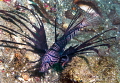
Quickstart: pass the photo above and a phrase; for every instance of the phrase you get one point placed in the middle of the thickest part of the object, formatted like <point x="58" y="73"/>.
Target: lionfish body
<point x="55" y="53"/>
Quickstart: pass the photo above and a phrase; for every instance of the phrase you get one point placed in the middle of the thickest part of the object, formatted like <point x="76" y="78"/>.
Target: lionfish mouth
<point x="44" y="67"/>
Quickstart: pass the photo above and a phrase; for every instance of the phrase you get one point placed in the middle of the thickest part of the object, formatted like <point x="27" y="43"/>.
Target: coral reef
<point x="105" y="69"/>
<point x="99" y="70"/>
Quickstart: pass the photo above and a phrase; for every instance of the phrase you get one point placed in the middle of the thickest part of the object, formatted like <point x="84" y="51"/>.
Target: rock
<point x="25" y="76"/>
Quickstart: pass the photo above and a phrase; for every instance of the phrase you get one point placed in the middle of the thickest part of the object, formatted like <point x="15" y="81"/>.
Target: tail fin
<point x="92" y="20"/>
<point x="79" y="21"/>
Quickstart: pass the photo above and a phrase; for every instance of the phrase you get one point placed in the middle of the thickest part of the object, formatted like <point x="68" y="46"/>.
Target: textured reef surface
<point x="15" y="66"/>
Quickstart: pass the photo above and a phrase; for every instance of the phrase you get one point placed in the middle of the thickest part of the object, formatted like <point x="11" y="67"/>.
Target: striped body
<point x="57" y="53"/>
<point x="51" y="57"/>
<point x="54" y="54"/>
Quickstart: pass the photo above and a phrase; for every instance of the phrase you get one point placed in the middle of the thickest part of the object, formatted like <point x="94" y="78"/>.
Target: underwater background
<point x="84" y="68"/>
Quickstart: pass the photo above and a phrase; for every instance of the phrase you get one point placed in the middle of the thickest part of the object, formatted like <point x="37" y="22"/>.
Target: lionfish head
<point x="44" y="67"/>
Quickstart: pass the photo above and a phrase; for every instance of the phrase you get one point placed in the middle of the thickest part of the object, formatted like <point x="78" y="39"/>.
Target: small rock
<point x="65" y="25"/>
<point x="68" y="14"/>
<point x="31" y="57"/>
<point x="25" y="76"/>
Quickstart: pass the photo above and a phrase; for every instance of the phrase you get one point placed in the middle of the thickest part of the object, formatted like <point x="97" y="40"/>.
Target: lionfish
<point x="57" y="52"/>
